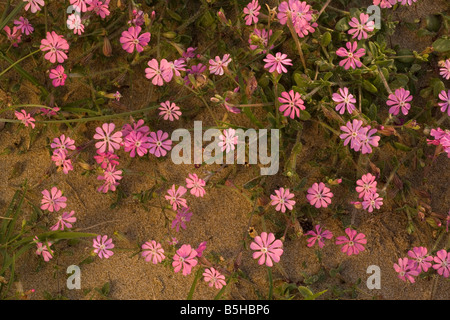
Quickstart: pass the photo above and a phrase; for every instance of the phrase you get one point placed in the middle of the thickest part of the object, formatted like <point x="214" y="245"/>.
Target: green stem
<point x="269" y="274"/>
<point x="13" y="13"/>
<point x="20" y="60"/>
<point x="198" y="274"/>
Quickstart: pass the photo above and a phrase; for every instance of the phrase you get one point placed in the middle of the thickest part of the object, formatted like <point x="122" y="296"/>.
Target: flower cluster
<point x="353" y="243"/>
<point x="441" y="140"/>
<point x="367" y="189"/>
<point x="300" y="14"/>
<point x="360" y="138"/>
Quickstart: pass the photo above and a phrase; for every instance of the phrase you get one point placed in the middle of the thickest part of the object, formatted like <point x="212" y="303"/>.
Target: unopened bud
<point x="107" y="48"/>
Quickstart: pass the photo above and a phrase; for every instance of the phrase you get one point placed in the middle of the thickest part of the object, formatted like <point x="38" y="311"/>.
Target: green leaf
<point x="441" y="45"/>
<point x="274" y="37"/>
<point x="401" y="146"/>
<point x="342" y="25"/>
<point x="369" y="87"/>
<point x="304" y="115"/>
<point x="326" y="39"/>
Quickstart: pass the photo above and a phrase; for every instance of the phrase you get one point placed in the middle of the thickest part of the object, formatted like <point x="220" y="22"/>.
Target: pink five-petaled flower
<point x="352" y="57"/>
<point x="398" y="101"/>
<point x="64" y="221"/>
<point x="282" y="200"/>
<point x="367" y="140"/>
<point x="277" y="63"/>
<point x="201" y="248"/>
<point x="102" y="246"/>
<point x="175" y="197"/>
<point x="177" y="66"/>
<point x="34" y="5"/>
<point x="110" y="176"/>
<point x="25" y="117"/>
<point x="385" y="3"/>
<point x="106" y="158"/>
<point x="60" y="159"/>
<point x="159" y="72"/>
<point x="444" y="71"/>
<point x="170" y="111"/>
<point x="63" y="144"/>
<point x="251" y="12"/>
<point x="58" y="76"/>
<point x="445" y="97"/>
<point x="442" y="261"/>
<point x="259" y="39"/>
<point x="366" y="185"/>
<point x="159" y="143"/>
<point x="319" y="195"/>
<point x="291" y="104"/>
<point x="345" y="100"/>
<point x="131" y="39"/>
<point x="152" y="251"/>
<point x="267" y="249"/>
<point x="360" y="29"/>
<point x="74" y="23"/>
<point x="406" y="269"/>
<point x="372" y="201"/>
<point x="354" y="243"/>
<point x="228" y="140"/>
<point x="44" y="250"/>
<point x="24" y="25"/>
<point x="109" y="142"/>
<point x="216" y="66"/>
<point x="196" y="185"/>
<point x="53" y="200"/>
<point x="319" y="236"/>
<point x="99" y="7"/>
<point x="13" y="35"/>
<point x="351" y="135"/>
<point x="80" y="5"/>
<point x="136" y="143"/>
<point x="185" y="259"/>
<point x="420" y="256"/>
<point x="56" y="46"/>
<point x="134" y="126"/>
<point x="183" y="215"/>
<point x="214" y="277"/>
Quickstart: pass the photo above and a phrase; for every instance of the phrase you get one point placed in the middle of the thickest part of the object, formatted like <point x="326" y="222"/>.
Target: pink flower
<point x="99" y="7"/>
<point x="138" y="18"/>
<point x="366" y="139"/>
<point x="319" y="195"/>
<point x="25" y="117"/>
<point x="117" y="96"/>
<point x="53" y="200"/>
<point x="372" y="201"/>
<point x="24" y="25"/>
<point x="266" y="249"/>
<point x="196" y="185"/>
<point x="160" y="143"/>
<point x="228" y="140"/>
<point x="106" y="158"/>
<point x="216" y="66"/>
<point x="353" y="244"/>
<point x="49" y="112"/>
<point x="189" y="53"/>
<point x="445" y="96"/>
<point x="14" y="36"/>
<point x="406" y="2"/>
<point x="351" y="134"/>
<point x="175" y="197"/>
<point x="385" y="3"/>
<point x="159" y="73"/>
<point x="56" y="46"/>
<point x="345" y="100"/>
<point x="251" y="12"/>
<point x="170" y="111"/>
<point x="62" y="143"/>
<point x="60" y="159"/>
<point x="360" y="29"/>
<point x="184" y="259"/>
<point x="300" y="14"/>
<point x="64" y="221"/>
<point x="292" y="104"/>
<point x="111" y="174"/>
<point x="58" y="76"/>
<point x="366" y="186"/>
<point x="260" y="39"/>
<point x="74" y="23"/>
<point x="102" y="246"/>
<point x="352" y="57"/>
<point x="131" y="39"/>
<point x="398" y="101"/>
<point x="34" y="5"/>
<point x="442" y="261"/>
<point x="136" y="142"/>
<point x="318" y="236"/>
<point x="80" y="4"/>
<point x="183" y="215"/>
<point x="151" y="250"/>
<point x="134" y="126"/>
<point x="420" y="256"/>
<point x="201" y="248"/>
<point x="197" y="71"/>
<point x="282" y="200"/>
<point x="444" y="71"/>
<point x="214" y="277"/>
<point x="109" y="141"/>
<point x="177" y="66"/>
<point x="44" y="250"/>
<point x="277" y="63"/>
<point x="406" y="269"/>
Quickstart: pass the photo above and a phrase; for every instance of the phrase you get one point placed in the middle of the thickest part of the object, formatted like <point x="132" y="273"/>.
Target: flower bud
<point x="107" y="48"/>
